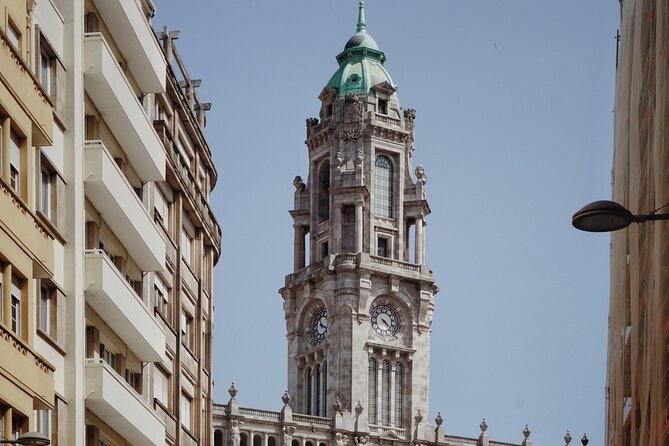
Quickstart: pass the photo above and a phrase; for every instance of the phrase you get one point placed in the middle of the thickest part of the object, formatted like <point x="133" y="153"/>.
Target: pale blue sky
<point x="514" y="106"/>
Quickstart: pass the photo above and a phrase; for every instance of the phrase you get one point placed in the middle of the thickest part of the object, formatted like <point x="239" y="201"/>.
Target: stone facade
<point x="637" y="403"/>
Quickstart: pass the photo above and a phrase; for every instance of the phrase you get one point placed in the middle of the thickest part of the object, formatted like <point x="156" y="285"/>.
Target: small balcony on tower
<point x="110" y="91"/>
<point x="113" y="196"/>
<point x="109" y="397"/>
<point x="110" y="295"/>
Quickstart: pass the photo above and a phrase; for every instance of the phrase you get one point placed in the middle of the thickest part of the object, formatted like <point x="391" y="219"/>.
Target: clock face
<point x="384" y="320"/>
<point x="319" y="327"/>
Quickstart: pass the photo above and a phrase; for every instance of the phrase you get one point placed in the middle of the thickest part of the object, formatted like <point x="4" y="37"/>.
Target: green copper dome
<point x="361" y="62"/>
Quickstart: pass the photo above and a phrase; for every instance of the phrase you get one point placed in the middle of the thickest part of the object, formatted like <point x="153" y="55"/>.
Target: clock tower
<point x="359" y="303"/>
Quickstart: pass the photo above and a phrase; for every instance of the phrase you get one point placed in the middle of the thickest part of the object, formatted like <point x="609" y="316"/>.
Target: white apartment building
<point x="118" y="315"/>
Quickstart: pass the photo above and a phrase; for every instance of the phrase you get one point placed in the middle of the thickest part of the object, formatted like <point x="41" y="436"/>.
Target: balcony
<point x="107" y="86"/>
<point x="26" y="97"/>
<point x="21" y="229"/>
<point x="113" y="400"/>
<point x="26" y="369"/>
<point x="134" y="37"/>
<point x="113" y="298"/>
<point x="112" y="195"/>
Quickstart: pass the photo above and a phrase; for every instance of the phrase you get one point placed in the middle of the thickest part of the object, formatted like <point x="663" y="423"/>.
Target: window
<point x="383" y="187"/>
<point x="14" y="36"/>
<point x="371" y="391"/>
<point x="43" y="422"/>
<point x="45" y="309"/>
<point x="325" y="249"/>
<point x="161" y="386"/>
<point x="186" y="411"/>
<point x="318" y="390"/>
<point x="187" y="238"/>
<point x="309" y="390"/>
<point x="160" y="299"/>
<point x="108" y="356"/>
<point x="134" y="379"/>
<point x="382" y="247"/>
<point x="16" y="305"/>
<point x="15" y="161"/>
<point x="324" y="192"/>
<point x="18" y="423"/>
<point x="348" y="228"/>
<point x="324" y="389"/>
<point x="46" y="69"/>
<point x="45" y="193"/>
<point x="383" y="106"/>
<point x="187" y="330"/>
<point x="399" y="384"/>
<point x="385" y="393"/>
<point x="160" y="207"/>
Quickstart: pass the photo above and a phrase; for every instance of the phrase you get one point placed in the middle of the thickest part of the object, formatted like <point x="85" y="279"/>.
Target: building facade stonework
<point x="637" y="400"/>
<point x="359" y="303"/>
<point x="107" y="238"/>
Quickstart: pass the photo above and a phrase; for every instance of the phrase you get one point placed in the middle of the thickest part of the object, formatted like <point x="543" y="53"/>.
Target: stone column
<point x="335" y="237"/>
<point x="298" y="248"/>
<point x="358" y="226"/>
<point x="418" y="255"/>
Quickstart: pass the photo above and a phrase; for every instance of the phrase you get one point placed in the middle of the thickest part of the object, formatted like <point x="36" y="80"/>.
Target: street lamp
<point x="606" y="216"/>
<point x="30" y="439"/>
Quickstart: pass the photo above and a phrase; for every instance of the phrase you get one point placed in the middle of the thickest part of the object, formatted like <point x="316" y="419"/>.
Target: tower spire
<point x="362" y="26"/>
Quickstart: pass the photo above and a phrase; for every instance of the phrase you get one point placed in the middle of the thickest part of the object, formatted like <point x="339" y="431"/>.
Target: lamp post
<point x="607" y="216"/>
<point x="30" y="439"/>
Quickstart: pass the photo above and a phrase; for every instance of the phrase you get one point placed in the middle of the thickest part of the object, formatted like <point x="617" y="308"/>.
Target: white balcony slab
<point x="120" y="407"/>
<point x="109" y="90"/>
<point x="113" y="299"/>
<point x="112" y="195"/>
<point x="135" y="39"/>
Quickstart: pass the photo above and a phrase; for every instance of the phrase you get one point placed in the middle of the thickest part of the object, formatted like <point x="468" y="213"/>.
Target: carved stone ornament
<point x="288" y="432"/>
<point x="359" y="157"/>
<point x="312" y="122"/>
<point x="340" y="439"/>
<point x="232" y="390"/>
<point x="337" y="405"/>
<point x="351" y="128"/>
<point x="361" y="439"/>
<point x="299" y="186"/>
<point x="439" y="419"/>
<point x="234" y="438"/>
<point x="420" y="175"/>
<point x="358" y="409"/>
<point x="483" y="426"/>
<point x="418" y="417"/>
<point x="526" y="432"/>
<point x="286" y="398"/>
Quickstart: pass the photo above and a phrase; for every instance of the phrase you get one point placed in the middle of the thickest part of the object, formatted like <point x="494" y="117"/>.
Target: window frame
<point x="383" y="186"/>
<point x="16" y="304"/>
<point x="15" y="142"/>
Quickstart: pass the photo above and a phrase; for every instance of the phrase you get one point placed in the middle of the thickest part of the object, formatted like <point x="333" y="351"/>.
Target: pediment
<point x="390" y="435"/>
<point x="384" y="87"/>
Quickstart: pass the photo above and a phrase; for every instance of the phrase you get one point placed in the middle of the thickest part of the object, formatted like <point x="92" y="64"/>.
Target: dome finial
<point x="362" y="26"/>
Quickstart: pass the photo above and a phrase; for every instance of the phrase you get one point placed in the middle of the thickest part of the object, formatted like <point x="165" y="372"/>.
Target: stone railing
<point x="396" y="264"/>
<point x="310" y="419"/>
<point x="387" y="120"/>
<point x="259" y="413"/>
<point x="382" y="430"/>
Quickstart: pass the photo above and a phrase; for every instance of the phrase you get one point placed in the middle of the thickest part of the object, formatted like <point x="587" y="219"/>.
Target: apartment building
<point x="107" y="239"/>
<point x="638" y="347"/>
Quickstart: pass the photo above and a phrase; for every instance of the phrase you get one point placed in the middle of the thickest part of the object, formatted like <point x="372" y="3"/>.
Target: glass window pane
<point x="371" y="391"/>
<point x="383" y="187"/>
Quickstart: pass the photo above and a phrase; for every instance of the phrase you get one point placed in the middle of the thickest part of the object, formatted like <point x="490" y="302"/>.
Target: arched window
<point x="257" y="440"/>
<point x="324" y="192"/>
<point x="218" y="437"/>
<point x="324" y="389"/>
<point x="271" y="441"/>
<point x="295" y="443"/>
<point x="244" y="440"/>
<point x="383" y="187"/>
<point x="371" y="391"/>
<point x="385" y="393"/>
<point x="399" y="381"/>
<point x="318" y="389"/>
<point x="309" y="390"/>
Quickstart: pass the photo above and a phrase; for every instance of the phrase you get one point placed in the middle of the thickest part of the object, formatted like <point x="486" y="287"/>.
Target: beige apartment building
<point x="638" y="356"/>
<point x="107" y="238"/>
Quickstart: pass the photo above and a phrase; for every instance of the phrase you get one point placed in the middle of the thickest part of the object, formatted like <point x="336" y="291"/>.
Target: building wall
<point x="638" y="356"/>
<point x="106" y="233"/>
